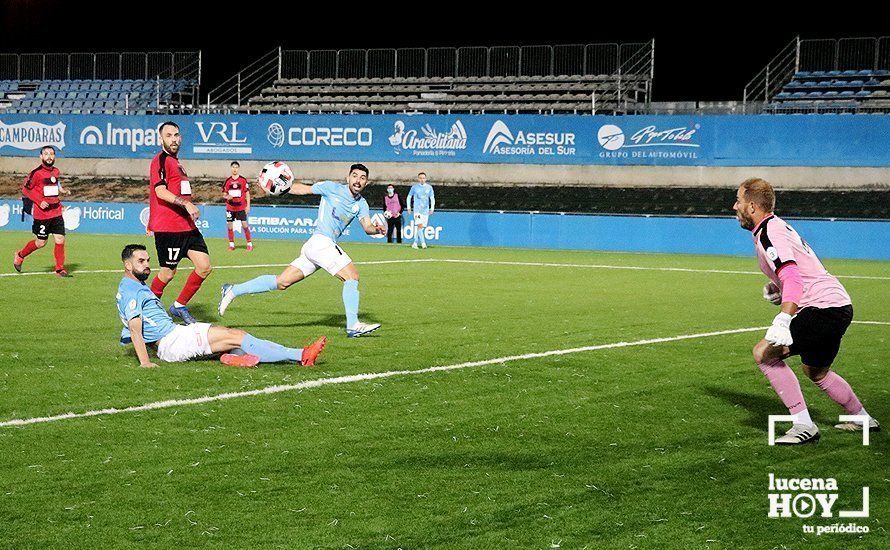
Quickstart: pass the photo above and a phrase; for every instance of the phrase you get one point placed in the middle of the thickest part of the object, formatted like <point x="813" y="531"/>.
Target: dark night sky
<point x="697" y="57"/>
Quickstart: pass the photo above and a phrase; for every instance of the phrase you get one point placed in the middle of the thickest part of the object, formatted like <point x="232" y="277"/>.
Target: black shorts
<point x="817" y="334"/>
<point x="42" y="229"/>
<point x="237" y="215"/>
<point x="173" y="247"/>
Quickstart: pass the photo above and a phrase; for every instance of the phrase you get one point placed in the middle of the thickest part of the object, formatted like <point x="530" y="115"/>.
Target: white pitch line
<point x="489" y="262"/>
<point x="637" y="268"/>
<point x="359" y="378"/>
<point x="881" y="323"/>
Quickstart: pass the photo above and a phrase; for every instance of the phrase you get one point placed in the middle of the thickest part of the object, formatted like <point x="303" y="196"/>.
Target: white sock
<point x="177" y="304"/>
<point x="803" y="417"/>
<point x="863" y="413"/>
<point x="231" y="244"/>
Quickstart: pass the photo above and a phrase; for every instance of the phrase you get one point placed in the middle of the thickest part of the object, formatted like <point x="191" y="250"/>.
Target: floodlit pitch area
<point x="601" y="445"/>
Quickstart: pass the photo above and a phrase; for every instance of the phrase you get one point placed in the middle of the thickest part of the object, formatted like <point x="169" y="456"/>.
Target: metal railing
<point x="468" y="61"/>
<point x="248" y="81"/>
<point x="814" y="55"/>
<point x="632" y="61"/>
<point x="101" y="66"/>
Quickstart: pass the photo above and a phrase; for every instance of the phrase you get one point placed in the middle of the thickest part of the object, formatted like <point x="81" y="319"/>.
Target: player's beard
<point x="745" y="221"/>
<point x="49" y="163"/>
<point x="143" y="275"/>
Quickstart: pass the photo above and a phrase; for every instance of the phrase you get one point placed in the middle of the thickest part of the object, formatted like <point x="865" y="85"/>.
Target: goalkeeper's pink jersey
<point x="777" y="244"/>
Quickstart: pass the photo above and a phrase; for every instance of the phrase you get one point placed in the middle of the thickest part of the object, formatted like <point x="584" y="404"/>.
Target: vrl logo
<point x="226" y="133"/>
<point x="221" y="138"/>
<point x="802" y="500"/>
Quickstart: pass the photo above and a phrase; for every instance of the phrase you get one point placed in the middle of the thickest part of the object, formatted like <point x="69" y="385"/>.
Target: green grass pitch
<point x="650" y="446"/>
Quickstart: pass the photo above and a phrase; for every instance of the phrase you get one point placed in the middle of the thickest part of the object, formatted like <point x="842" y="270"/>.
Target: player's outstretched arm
<point x="300" y="189"/>
<point x="135" y="326"/>
<point x="371" y="228"/>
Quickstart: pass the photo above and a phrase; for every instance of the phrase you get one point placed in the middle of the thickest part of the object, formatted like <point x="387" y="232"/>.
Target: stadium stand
<point x="849" y="75"/>
<point x="582" y="79"/>
<point x="124" y="83"/>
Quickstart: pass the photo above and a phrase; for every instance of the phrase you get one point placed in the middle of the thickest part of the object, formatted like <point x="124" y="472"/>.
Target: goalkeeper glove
<point x="779" y="334"/>
<point x="772" y="294"/>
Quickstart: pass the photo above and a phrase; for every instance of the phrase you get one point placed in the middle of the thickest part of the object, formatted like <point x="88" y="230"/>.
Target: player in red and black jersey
<point x="42" y="188"/>
<point x="236" y="191"/>
<point x="172" y="218"/>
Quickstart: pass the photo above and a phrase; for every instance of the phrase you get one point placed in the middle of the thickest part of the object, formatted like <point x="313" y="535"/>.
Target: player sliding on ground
<point x="340" y="204"/>
<point x="816" y="311"/>
<point x="146" y="323"/>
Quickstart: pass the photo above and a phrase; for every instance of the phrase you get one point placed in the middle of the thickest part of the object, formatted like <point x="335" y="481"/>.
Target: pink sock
<point x="840" y="391"/>
<point x="783" y="380"/>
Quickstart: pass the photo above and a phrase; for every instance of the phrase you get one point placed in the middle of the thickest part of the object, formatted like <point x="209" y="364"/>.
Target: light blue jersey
<point x="424" y="199"/>
<point x="134" y="299"/>
<point x="337" y="209"/>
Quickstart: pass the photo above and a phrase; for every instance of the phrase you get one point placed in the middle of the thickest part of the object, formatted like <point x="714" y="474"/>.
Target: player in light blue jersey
<point x="147" y="323"/>
<point x="340" y="204"/>
<point x="423" y="200"/>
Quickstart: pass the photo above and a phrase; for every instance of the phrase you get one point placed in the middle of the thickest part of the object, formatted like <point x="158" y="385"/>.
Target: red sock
<point x="157" y="286"/>
<point x="59" y="253"/>
<point x="191" y="286"/>
<point x="246" y="233"/>
<point x="28" y="248"/>
<point x="231" y="235"/>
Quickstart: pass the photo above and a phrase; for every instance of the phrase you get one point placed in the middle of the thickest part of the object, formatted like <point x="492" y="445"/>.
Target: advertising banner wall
<point x="831" y="239"/>
<point x="731" y="140"/>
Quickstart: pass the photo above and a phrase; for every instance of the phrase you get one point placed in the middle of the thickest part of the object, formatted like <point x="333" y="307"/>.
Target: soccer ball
<point x="276" y="178"/>
<point x="387" y="214"/>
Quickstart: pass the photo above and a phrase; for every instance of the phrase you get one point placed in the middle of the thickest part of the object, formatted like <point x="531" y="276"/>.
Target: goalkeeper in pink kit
<point x="816" y="311"/>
